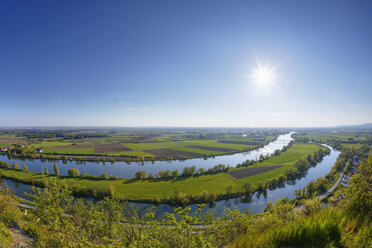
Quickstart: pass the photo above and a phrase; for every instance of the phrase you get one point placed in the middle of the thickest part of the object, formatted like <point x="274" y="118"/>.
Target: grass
<point x="138" y="149"/>
<point x="149" y="189"/>
<point x="5" y="236"/>
<point x="287" y="159"/>
<point x="133" y="153"/>
<point x="351" y="145"/>
<point x="318" y="230"/>
<point x="48" y="148"/>
<point x="348" y="139"/>
<point x="180" y="144"/>
<point x="183" y="146"/>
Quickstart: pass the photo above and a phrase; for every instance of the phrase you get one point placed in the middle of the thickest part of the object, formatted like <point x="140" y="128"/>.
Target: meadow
<point x="163" y="188"/>
<point x="139" y="143"/>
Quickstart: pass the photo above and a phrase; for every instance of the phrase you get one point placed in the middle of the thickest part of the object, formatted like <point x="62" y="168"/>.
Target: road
<point x="334" y="186"/>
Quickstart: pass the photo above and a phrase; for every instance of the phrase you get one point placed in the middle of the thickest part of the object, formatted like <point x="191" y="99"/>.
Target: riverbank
<point x="203" y="187"/>
<point x="129" y="169"/>
<point x="173" y="152"/>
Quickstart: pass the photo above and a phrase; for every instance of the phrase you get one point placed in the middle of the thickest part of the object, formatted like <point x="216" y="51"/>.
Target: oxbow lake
<point x="254" y="204"/>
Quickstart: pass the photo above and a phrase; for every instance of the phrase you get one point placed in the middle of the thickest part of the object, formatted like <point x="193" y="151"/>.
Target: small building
<point x="345" y="181"/>
<point x="39" y="150"/>
<point x="3" y="149"/>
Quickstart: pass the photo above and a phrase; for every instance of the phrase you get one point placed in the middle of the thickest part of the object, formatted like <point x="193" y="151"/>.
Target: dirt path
<point x="22" y="239"/>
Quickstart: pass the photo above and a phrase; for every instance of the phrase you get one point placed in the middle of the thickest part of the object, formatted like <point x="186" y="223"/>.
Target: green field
<point x="48" y="147"/>
<point x="139" y="149"/>
<point x="217" y="183"/>
<point x="137" y="143"/>
<point x="347" y="139"/>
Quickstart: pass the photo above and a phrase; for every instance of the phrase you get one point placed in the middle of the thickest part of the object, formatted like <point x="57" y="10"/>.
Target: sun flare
<point x="263" y="76"/>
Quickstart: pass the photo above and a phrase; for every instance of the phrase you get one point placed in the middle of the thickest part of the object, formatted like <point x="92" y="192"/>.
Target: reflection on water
<point x="255" y="203"/>
<point x="129" y="169"/>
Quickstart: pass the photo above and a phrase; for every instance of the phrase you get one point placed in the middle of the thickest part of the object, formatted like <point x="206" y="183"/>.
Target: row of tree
<point x="187" y="172"/>
<point x="263" y="157"/>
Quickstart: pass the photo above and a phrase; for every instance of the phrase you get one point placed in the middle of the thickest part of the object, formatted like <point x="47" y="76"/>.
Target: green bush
<point x="73" y="172"/>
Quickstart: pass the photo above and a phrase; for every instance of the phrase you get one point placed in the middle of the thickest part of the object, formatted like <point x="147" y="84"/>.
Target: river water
<point x="255" y="204"/>
<point x="128" y="170"/>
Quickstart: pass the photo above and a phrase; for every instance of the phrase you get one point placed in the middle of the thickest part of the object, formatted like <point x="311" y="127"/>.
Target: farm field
<point x="140" y="143"/>
<point x="217" y="183"/>
<point x="248" y="172"/>
<point x="345" y="138"/>
<point x="193" y="148"/>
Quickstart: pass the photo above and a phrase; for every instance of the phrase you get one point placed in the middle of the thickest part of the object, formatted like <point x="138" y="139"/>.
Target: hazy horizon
<point x="241" y="127"/>
<point x="185" y="64"/>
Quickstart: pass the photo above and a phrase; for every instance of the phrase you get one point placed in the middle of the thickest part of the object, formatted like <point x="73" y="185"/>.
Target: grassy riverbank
<point x="220" y="183"/>
<point x="131" y="144"/>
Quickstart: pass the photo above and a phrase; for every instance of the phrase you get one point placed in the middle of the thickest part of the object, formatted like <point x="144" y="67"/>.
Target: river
<point x="255" y="204"/>
<point x="129" y="169"/>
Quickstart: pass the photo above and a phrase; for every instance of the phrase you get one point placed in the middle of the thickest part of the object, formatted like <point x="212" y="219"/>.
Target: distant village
<point x="16" y="147"/>
<point x="354" y="168"/>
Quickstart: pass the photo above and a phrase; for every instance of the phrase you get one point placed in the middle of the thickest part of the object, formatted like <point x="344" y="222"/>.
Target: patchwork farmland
<point x="142" y="144"/>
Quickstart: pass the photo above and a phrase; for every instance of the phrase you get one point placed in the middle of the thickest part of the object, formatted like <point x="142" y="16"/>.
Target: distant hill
<point x="360" y="126"/>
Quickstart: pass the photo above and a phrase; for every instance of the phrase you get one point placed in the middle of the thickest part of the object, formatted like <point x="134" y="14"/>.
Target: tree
<point x="167" y="174"/>
<point x="140" y="175"/>
<point x="56" y="171"/>
<point x="73" y="172"/>
<point x="247" y="188"/>
<point x="260" y="187"/>
<point x="261" y="158"/>
<point x="25" y="168"/>
<point x="104" y="176"/>
<point x="193" y="170"/>
<point x="161" y="174"/>
<point x="175" y="173"/>
<point x="46" y="170"/>
<point x="273" y="183"/>
<point x="186" y="171"/>
<point x="302" y="165"/>
<point x="358" y="200"/>
<point x="281" y="179"/>
<point x="276" y="152"/>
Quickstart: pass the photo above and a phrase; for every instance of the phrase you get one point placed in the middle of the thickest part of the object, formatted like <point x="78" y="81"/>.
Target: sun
<point x="263" y="76"/>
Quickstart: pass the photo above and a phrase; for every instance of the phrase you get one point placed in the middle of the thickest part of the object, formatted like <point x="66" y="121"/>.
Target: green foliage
<point x="58" y="220"/>
<point x="4" y="164"/>
<point x="104" y="176"/>
<point x="140" y="175"/>
<point x="358" y="204"/>
<point x="63" y="222"/>
<point x="56" y="170"/>
<point x="73" y="172"/>
<point x="175" y="173"/>
<point x="5" y="236"/>
<point x="114" y="178"/>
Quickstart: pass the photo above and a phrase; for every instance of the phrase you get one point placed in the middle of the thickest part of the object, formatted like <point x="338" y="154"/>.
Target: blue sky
<point x="184" y="63"/>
